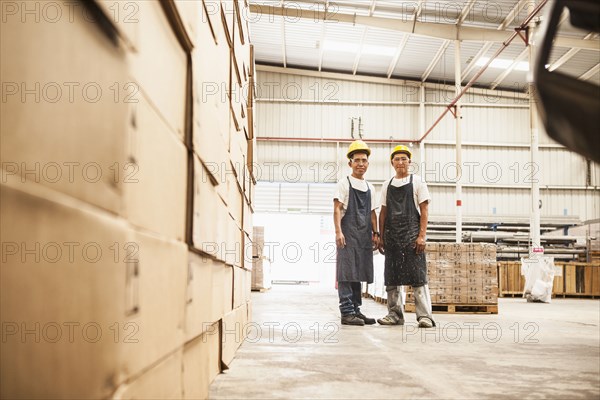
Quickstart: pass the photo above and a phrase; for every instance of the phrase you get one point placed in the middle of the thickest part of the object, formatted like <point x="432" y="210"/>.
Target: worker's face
<point x="401" y="162"/>
<point x="359" y="164"/>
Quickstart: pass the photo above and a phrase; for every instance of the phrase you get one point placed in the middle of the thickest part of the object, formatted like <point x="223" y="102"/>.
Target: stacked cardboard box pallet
<point x="461" y="274"/>
<point x="126" y="199"/>
<point x="261" y="264"/>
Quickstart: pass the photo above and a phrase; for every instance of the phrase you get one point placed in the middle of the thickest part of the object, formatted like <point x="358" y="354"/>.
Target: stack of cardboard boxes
<point x="261" y="263"/>
<point x="461" y="273"/>
<point x="126" y="197"/>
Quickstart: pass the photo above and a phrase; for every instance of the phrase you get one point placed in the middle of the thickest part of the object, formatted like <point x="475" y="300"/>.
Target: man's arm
<point x="340" y="240"/>
<point x="382" y="215"/>
<point x="420" y="243"/>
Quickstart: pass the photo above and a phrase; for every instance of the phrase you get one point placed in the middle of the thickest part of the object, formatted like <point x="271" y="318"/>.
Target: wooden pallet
<point x="511" y="294"/>
<point x="554" y="295"/>
<point x="458" y="308"/>
<point x="376" y="298"/>
<point x="578" y="280"/>
<point x="576" y="296"/>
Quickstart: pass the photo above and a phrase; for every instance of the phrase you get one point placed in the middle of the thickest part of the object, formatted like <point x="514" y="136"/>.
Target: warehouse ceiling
<point x="412" y="39"/>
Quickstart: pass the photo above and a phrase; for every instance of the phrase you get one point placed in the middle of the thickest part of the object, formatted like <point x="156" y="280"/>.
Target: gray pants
<point x="395" y="301"/>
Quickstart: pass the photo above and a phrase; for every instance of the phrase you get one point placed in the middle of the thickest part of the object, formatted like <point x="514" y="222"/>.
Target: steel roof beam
<point x="396" y="58"/>
<point x="590" y="73"/>
<point x="322" y="43"/>
<point x="568" y="55"/>
<point x="430" y="29"/>
<point x="510" y="69"/>
<point x="436" y="60"/>
<point x="403" y="42"/>
<point x="362" y="40"/>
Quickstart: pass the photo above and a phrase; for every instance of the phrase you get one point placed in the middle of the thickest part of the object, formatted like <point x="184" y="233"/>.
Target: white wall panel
<point x="489" y="202"/>
<point x="496" y="151"/>
<point x="595" y="172"/>
<point x="561" y="167"/>
<point x="445" y="130"/>
<point x="584" y="204"/>
<point x="293" y="162"/>
<point x="493" y="125"/>
<point x="271" y="85"/>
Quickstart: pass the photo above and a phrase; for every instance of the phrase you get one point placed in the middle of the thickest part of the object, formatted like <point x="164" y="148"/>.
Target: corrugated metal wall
<point x="497" y="170"/>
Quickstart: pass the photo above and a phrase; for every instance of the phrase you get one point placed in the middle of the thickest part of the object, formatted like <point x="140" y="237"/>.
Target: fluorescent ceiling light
<point x="501" y="63"/>
<point x="348" y="47"/>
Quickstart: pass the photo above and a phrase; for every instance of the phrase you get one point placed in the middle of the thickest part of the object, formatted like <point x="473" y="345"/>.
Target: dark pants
<point x="350" y="297"/>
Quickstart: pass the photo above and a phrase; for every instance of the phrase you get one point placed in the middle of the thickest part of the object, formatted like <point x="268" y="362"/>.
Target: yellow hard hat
<point x="356" y="146"/>
<point x="400" y="149"/>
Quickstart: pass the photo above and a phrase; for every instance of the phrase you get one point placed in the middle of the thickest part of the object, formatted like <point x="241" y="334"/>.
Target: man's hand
<point x="420" y="245"/>
<point x="375" y="240"/>
<point x="340" y="240"/>
<point x="381" y="245"/>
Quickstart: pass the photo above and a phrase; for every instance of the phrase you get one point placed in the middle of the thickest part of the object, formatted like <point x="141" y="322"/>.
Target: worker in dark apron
<point x="356" y="235"/>
<point x="403" y="223"/>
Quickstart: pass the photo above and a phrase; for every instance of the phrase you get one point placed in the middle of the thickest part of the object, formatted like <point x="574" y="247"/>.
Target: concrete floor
<point x="297" y="349"/>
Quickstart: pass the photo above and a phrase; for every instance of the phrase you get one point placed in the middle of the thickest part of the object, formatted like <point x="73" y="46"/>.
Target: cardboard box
<point x="489" y="299"/>
<point x="252" y="68"/>
<point x="475" y="298"/>
<point x="475" y="289"/>
<point x="201" y="363"/>
<point x="159" y="65"/>
<point x="61" y="126"/>
<point x="191" y="14"/>
<point x="460" y="271"/>
<point x="155" y="182"/>
<point x="248" y="259"/>
<point x="489" y="252"/>
<point x="228" y="20"/>
<point x="460" y="298"/>
<point x="88" y="273"/>
<point x="258" y="236"/>
<point x="232" y="251"/>
<point x="241" y="286"/>
<point x="162" y="381"/>
<point x="248" y="221"/>
<point x="233" y="333"/>
<point x="124" y="17"/>
<point x="443" y="298"/>
<point x="210" y="224"/>
<point x="40" y="292"/>
<point x="251" y="128"/>
<point x="209" y="294"/>
<point x="99" y="140"/>
<point x="162" y="270"/>
<point x="210" y="135"/>
<point x="460" y="289"/>
<point x="242" y="11"/>
<point x="261" y="273"/>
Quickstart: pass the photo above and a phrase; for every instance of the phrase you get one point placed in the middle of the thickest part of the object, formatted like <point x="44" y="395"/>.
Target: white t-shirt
<point x="342" y="191"/>
<point x="420" y="191"/>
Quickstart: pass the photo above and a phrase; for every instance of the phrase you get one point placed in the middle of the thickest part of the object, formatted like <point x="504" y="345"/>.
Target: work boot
<point x="352" y="320"/>
<point x="367" y="320"/>
<point x="425" y="323"/>
<point x="391" y="319"/>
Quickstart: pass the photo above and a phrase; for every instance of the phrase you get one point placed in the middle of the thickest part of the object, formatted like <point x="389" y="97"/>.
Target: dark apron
<point x="403" y="266"/>
<point x="355" y="261"/>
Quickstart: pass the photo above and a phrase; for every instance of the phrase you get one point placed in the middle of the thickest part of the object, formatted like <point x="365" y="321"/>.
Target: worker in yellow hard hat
<point x="356" y="234"/>
<point x="403" y="222"/>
